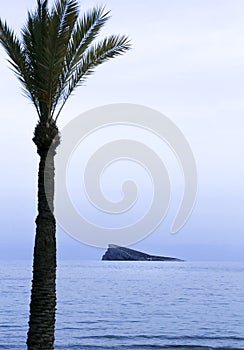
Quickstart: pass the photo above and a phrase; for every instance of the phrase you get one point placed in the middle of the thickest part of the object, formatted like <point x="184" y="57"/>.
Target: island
<point x="117" y="253"/>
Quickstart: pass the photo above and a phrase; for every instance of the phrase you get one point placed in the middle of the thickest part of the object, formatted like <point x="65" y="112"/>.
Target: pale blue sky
<point x="187" y="62"/>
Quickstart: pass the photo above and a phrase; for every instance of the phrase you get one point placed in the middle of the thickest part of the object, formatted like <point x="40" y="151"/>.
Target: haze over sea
<point x="132" y="305"/>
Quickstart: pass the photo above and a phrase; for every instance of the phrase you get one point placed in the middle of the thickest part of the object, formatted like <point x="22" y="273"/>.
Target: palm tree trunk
<point x="43" y="293"/>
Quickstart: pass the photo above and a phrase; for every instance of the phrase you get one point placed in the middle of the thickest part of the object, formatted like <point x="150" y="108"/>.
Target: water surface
<point x="132" y="305"/>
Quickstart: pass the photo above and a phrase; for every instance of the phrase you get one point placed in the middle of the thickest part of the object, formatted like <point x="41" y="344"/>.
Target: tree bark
<point x="43" y="293"/>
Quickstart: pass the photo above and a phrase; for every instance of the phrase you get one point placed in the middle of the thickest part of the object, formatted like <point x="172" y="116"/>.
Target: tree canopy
<point x="57" y="50"/>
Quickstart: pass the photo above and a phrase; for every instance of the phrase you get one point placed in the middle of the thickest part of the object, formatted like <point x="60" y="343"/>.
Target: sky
<point x="187" y="61"/>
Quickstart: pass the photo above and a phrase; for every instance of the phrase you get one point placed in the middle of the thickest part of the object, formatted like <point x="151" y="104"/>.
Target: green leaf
<point x="58" y="51"/>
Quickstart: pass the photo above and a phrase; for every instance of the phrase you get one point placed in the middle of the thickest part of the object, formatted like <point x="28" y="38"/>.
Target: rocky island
<point x="115" y="252"/>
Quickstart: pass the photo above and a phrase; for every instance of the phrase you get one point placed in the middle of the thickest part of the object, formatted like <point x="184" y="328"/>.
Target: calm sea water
<point x="132" y="305"/>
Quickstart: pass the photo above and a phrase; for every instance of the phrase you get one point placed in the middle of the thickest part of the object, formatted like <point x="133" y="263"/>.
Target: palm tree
<point x="55" y="53"/>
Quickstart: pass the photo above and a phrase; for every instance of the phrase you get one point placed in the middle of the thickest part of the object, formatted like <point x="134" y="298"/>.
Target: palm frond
<point x="57" y="52"/>
<point x="97" y="54"/>
<point x="34" y="38"/>
<point x="17" y="60"/>
<point x="85" y="31"/>
<point x="63" y="20"/>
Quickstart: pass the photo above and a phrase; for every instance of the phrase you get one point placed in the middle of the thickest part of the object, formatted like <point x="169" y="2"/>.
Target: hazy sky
<point x="187" y="62"/>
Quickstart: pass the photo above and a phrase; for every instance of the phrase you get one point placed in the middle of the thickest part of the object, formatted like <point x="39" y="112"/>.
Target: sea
<point x="106" y="305"/>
